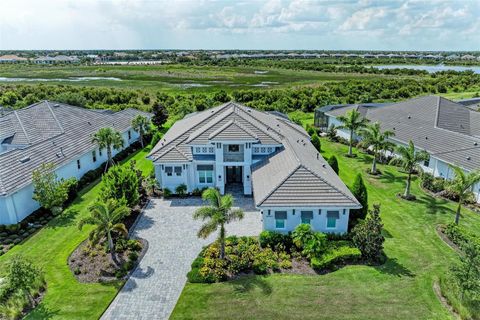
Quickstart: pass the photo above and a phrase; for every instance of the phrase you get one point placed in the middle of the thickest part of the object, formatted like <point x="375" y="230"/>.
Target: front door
<point x="234" y="174"/>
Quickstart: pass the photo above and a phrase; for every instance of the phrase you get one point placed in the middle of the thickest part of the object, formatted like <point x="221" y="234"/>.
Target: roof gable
<point x="173" y="155"/>
<point x="233" y="130"/>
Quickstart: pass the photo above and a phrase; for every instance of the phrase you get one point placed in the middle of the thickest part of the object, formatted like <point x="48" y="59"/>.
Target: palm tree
<point x="372" y="136"/>
<point x="218" y="213"/>
<point x="106" y="138"/>
<point x="141" y="124"/>
<point x="462" y="185"/>
<point x="408" y="159"/>
<point x="106" y="216"/>
<point x="353" y="121"/>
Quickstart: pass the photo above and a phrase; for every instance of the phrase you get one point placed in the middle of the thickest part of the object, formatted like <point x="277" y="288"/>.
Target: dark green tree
<point x="333" y="162"/>
<point x="121" y="182"/>
<point x="368" y="238"/>
<point x="359" y="190"/>
<point x="160" y="115"/>
<point x="315" y="139"/>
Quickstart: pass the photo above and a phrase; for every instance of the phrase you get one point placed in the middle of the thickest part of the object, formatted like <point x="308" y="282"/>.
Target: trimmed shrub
<point x="272" y="239"/>
<point x="359" y="190"/>
<point x="181" y="189"/>
<point x="333" y="162"/>
<point x="167" y="193"/>
<point x="460" y="236"/>
<point x="316" y="142"/>
<point x="431" y="183"/>
<point x="311" y="131"/>
<point x="311" y="243"/>
<point x="368" y="238"/>
<point x="264" y="261"/>
<point x="337" y="253"/>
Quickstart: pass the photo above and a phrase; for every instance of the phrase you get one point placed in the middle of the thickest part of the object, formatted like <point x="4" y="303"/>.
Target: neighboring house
<point x="49" y="132"/>
<point x="449" y="131"/>
<point x="233" y="147"/>
<point x="11" y="58"/>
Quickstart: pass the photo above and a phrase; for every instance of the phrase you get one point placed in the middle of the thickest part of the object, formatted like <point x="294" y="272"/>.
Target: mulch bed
<point x="36" y="302"/>
<point x="443" y="300"/>
<point x="447" y="240"/>
<point x="409" y="198"/>
<point x="136" y="211"/>
<point x="99" y="267"/>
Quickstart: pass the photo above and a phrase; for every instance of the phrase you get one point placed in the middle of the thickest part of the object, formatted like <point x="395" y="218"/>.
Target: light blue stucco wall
<point x="19" y="205"/>
<point x="319" y="222"/>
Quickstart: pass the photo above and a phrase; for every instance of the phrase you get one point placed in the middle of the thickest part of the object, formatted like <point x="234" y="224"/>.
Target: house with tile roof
<point x="235" y="148"/>
<point x="449" y="131"/>
<point x="50" y="132"/>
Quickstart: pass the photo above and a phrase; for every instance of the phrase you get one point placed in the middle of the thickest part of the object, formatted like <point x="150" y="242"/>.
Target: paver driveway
<point x="155" y="286"/>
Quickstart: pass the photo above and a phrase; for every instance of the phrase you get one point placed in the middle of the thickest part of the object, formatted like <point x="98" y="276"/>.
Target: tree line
<point x="305" y="98"/>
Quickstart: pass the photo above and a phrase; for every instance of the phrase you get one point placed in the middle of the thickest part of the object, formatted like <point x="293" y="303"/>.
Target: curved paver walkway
<point x="155" y="286"/>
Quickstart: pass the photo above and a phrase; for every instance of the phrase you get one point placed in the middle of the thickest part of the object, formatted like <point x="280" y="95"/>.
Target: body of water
<point x="431" y="68"/>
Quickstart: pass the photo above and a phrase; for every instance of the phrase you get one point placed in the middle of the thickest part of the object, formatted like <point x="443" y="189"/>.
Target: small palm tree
<point x="408" y="159"/>
<point x="373" y="137"/>
<point x="353" y="121"/>
<point x="106" y="138"/>
<point x="141" y="124"/>
<point x="106" y="217"/>
<point x="462" y="185"/>
<point x="218" y="213"/>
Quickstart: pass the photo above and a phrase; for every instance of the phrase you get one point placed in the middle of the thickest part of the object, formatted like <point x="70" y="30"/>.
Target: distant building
<point x="11" y="58"/>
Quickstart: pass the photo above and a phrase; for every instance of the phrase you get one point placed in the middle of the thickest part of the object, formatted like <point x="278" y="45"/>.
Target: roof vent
<point x="89" y="122"/>
<point x="426" y="138"/>
<point x="475" y="143"/>
<point x="409" y="117"/>
<point x="317" y="156"/>
<point x="56" y="105"/>
<point x="469" y="158"/>
<point x="324" y="166"/>
<point x="25" y="159"/>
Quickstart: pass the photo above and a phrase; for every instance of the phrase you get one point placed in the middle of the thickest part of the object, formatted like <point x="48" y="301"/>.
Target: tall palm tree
<point x="218" y="213"/>
<point x="353" y="121"/>
<point x="106" y="217"/>
<point x="372" y="136"/>
<point x="106" y="138"/>
<point x="408" y="159"/>
<point x="462" y="185"/>
<point x="141" y="124"/>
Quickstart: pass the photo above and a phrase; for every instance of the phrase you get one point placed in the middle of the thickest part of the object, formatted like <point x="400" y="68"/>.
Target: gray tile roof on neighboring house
<point x="294" y="175"/>
<point x="50" y="132"/>
<point x="446" y="129"/>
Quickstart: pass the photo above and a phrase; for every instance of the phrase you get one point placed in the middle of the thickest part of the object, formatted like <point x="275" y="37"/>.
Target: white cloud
<point x="321" y="24"/>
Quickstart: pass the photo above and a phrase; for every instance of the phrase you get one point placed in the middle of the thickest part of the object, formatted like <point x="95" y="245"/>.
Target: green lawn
<point x="400" y="289"/>
<point x="50" y="247"/>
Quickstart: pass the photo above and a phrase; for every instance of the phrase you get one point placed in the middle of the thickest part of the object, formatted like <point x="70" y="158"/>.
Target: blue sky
<point x="251" y="24"/>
